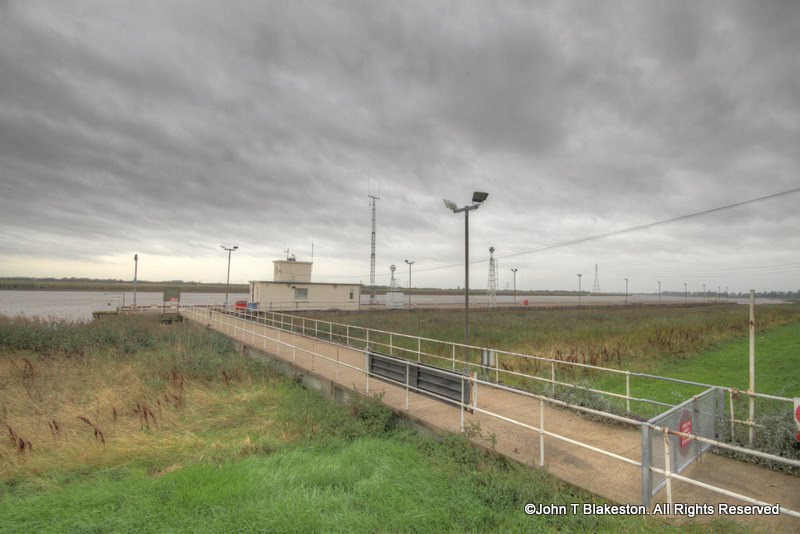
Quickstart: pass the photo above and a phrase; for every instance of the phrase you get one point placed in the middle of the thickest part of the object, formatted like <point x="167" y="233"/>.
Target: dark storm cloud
<point x="173" y="126"/>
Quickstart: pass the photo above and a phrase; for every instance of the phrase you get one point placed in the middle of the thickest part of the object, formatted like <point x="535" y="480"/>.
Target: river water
<point x="79" y="305"/>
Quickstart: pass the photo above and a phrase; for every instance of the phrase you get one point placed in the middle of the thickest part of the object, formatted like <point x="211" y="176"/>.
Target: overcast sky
<point x="167" y="128"/>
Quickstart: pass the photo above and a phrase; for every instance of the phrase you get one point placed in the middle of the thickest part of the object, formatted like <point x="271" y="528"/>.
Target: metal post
<point x="466" y="291"/>
<point x="626" y="291"/>
<point x="628" y="391"/>
<point x="462" y="404"/>
<point x="419" y="349"/>
<point x="541" y="432"/>
<point x="667" y="465"/>
<point x="515" y="284"/>
<point x="135" y="276"/>
<point x="407" y="383"/>
<point x="752" y="365"/>
<point x="647" y="459"/>
<point x="579" y="290"/>
<point x="410" y="263"/>
<point x="552" y="379"/>
<point x="659" y="291"/>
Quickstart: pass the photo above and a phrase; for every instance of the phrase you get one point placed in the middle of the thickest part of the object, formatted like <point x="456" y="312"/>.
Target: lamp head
<point x="450" y="204"/>
<point x="478" y="197"/>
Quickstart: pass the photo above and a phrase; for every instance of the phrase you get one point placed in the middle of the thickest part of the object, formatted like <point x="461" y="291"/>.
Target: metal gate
<point x="697" y="416"/>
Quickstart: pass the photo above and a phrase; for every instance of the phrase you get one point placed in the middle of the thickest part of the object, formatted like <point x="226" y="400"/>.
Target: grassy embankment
<point x="126" y="425"/>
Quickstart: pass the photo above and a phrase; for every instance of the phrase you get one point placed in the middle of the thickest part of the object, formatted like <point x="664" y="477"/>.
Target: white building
<point x="293" y="290"/>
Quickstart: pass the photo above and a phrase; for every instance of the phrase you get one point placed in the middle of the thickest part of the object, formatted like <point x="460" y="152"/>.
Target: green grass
<point x="243" y="450"/>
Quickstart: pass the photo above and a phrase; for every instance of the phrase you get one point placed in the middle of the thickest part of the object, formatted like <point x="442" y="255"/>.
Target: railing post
<point x="330" y="331"/>
<point x="408" y="367"/>
<point x="647" y="460"/>
<point x="419" y="349"/>
<point x="541" y="432"/>
<point x="454" y="357"/>
<point x="366" y="371"/>
<point x="347" y="334"/>
<point x="474" y="379"/>
<point x="497" y="368"/>
<point x="628" y="391"/>
<point x="733" y="427"/>
<point x="667" y="465"/>
<point x="391" y="345"/>
<point x="462" y="404"/>
<point x="552" y="379"/>
<point x="337" y="364"/>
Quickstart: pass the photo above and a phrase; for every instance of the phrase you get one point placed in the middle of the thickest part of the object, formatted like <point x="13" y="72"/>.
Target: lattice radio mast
<point x="596" y="286"/>
<point x="373" y="299"/>
<point x="491" y="291"/>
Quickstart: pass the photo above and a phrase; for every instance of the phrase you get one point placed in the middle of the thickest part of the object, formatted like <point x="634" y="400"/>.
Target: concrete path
<point x="603" y="475"/>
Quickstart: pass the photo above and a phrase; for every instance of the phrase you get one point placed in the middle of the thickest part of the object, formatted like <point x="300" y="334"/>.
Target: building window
<point x="301" y="293"/>
<point x="351" y="294"/>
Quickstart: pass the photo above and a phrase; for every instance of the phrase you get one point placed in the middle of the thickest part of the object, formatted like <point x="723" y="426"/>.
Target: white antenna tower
<point x="373" y="299"/>
<point x="393" y="282"/>
<point x="596" y="286"/>
<point x="491" y="292"/>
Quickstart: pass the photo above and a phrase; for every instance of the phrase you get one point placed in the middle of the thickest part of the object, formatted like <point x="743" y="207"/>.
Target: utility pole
<point x="579" y="289"/>
<point x="685" y="293"/>
<point x="228" y="281"/>
<point x="515" y="283"/>
<point x="135" y="276"/>
<point x="373" y="299"/>
<point x="626" y="291"/>
<point x="410" y="263"/>
<point x="659" y="291"/>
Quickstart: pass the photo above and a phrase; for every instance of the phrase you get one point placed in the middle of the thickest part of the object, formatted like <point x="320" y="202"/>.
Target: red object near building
<point x="241" y="305"/>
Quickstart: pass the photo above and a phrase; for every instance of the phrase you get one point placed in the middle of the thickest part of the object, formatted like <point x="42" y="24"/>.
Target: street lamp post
<point x="626" y="291"/>
<point x="704" y="292"/>
<point x="410" y="263"/>
<point x="685" y="293"/>
<point x="514" y="270"/>
<point x="478" y="198"/>
<point x="719" y="293"/>
<point x="579" y="289"/>
<point x="228" y="281"/>
<point x="659" y="291"/>
<point x="135" y="276"/>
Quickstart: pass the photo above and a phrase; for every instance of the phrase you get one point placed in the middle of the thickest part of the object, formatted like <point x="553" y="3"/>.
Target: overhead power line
<point x="598" y="237"/>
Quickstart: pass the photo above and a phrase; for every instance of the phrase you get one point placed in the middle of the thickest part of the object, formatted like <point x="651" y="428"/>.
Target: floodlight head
<point x="235" y="247"/>
<point x="392" y="268"/>
<point x="491" y="250"/>
<point x="450" y="204"/>
<point x="479" y="196"/>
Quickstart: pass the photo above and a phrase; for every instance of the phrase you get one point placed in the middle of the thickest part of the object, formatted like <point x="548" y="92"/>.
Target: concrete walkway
<point x="603" y="475"/>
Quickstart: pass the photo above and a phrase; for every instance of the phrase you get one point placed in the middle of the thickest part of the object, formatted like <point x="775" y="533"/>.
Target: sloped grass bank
<point x="226" y="445"/>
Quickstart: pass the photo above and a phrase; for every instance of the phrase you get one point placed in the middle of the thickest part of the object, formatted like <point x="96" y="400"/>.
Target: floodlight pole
<point x="626" y="291"/>
<point x="410" y="263"/>
<point x="514" y="270"/>
<point x="579" y="289"/>
<point x="477" y="199"/>
<point x="659" y="291"/>
<point x="685" y="293"/>
<point x="228" y="281"/>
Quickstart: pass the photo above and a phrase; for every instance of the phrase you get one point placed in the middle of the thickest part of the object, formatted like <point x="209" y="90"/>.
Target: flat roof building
<point x="293" y="290"/>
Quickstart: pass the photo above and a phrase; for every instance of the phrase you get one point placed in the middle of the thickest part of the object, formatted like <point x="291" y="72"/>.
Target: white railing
<point x="235" y="323"/>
